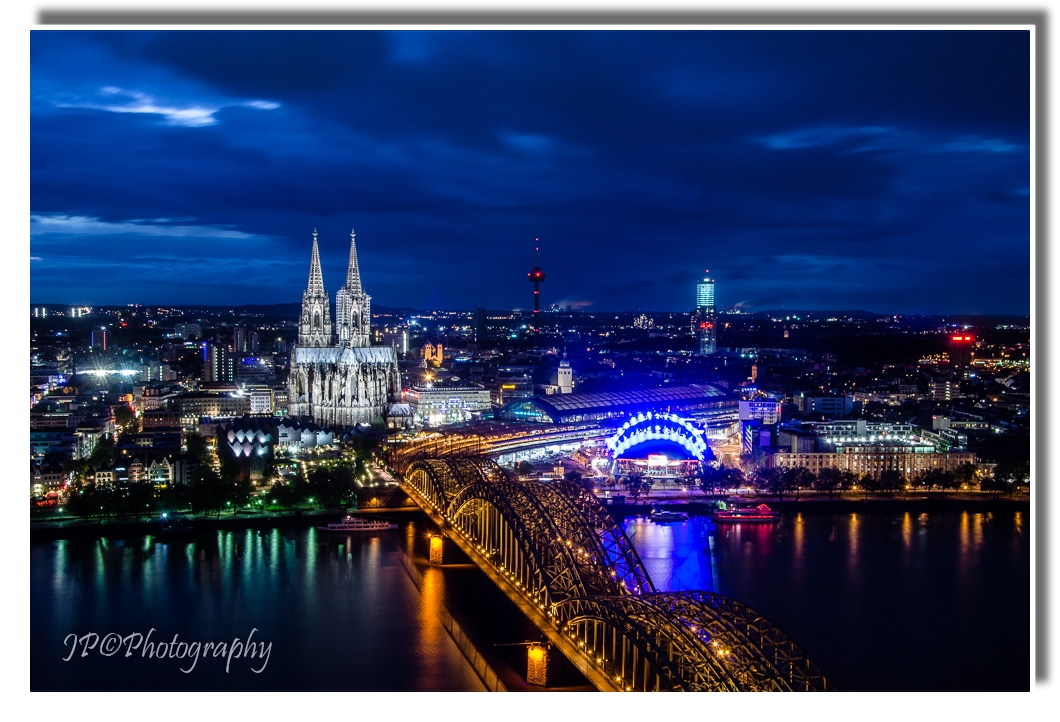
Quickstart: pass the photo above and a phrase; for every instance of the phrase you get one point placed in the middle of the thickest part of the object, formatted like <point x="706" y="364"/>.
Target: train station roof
<point x="560" y="408"/>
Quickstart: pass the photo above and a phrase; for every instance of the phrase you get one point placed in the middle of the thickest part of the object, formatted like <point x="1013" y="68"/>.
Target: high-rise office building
<point x="703" y="321"/>
<point x="961" y="345"/>
<point x="219" y="364"/>
<point x="239" y="340"/>
<point x="480" y="327"/>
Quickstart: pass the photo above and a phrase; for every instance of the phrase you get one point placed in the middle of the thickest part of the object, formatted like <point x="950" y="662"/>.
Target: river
<point x="879" y="600"/>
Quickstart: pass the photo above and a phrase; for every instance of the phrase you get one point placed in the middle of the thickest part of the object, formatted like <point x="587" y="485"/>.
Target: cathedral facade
<point x="336" y="377"/>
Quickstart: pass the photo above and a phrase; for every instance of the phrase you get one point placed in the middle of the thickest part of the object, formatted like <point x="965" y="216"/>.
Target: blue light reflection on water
<point x="880" y="599"/>
<point x="676" y="555"/>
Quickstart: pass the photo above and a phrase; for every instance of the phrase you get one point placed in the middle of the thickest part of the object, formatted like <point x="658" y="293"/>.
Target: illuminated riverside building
<point x="874" y="460"/>
<point x="703" y="320"/>
<point x="658" y="445"/>
<point x="865" y="448"/>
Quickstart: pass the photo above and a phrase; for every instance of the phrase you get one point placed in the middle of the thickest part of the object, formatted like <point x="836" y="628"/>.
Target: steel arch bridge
<point x="561" y="551"/>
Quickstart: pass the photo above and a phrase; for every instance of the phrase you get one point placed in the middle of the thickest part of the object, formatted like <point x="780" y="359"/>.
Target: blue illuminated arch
<point x="653" y="426"/>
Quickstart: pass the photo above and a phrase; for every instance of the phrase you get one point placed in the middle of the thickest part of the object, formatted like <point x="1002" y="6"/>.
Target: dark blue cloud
<point x="880" y="170"/>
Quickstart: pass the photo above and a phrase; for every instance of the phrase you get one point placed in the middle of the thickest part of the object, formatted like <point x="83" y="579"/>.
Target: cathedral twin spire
<point x="352" y="306"/>
<point x="353" y="272"/>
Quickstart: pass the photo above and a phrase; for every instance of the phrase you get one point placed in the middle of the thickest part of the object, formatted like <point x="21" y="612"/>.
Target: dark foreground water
<point x="880" y="600"/>
<point x="340" y="611"/>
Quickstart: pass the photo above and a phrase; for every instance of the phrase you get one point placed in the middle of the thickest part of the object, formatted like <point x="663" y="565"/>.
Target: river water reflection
<point x="880" y="600"/>
<point x="340" y="611"/>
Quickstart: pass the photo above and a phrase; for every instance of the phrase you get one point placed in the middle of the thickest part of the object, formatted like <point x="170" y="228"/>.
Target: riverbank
<point x="847" y="504"/>
<point x="83" y="528"/>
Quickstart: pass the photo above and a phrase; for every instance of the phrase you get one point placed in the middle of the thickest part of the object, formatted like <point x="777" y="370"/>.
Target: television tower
<point x="536" y="277"/>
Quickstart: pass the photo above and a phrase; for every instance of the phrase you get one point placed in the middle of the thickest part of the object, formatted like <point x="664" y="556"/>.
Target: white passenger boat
<point x="664" y="517"/>
<point x="358" y="523"/>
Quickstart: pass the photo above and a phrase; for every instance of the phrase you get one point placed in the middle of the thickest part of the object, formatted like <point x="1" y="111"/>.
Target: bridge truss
<point x="564" y="553"/>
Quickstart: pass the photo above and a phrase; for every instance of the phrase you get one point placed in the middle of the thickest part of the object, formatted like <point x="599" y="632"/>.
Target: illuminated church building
<point x="336" y="377"/>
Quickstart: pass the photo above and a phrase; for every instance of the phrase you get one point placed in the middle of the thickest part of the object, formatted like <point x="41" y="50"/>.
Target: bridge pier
<point x="556" y="639"/>
<point x="443" y="550"/>
<point x="437" y="551"/>
<point x="540" y="665"/>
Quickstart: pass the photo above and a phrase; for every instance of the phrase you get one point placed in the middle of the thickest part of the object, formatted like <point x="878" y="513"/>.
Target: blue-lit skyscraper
<point x="703" y="322"/>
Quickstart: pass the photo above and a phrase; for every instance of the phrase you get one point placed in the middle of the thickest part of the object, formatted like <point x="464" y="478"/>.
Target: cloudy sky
<point x="885" y="171"/>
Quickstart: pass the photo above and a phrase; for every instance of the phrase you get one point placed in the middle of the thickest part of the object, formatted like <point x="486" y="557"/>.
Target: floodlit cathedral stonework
<point x="338" y="378"/>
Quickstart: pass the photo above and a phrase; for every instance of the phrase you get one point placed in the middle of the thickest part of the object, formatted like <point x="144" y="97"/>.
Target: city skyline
<point x="876" y="171"/>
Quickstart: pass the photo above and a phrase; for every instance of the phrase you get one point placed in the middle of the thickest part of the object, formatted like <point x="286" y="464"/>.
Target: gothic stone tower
<point x="314" y="325"/>
<point x="344" y="383"/>
<point x="353" y="316"/>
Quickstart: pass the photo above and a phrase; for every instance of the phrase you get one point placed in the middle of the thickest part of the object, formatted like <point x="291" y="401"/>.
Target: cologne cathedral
<point x="337" y="378"/>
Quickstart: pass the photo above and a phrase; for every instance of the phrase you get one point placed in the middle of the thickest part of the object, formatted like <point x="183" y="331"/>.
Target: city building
<point x="255" y="369"/>
<point x="239" y="340"/>
<point x="219" y="364"/>
<point x="864" y="447"/>
<point x="510" y="383"/>
<point x="397" y="338"/>
<point x="447" y="402"/>
<point x="279" y="400"/>
<point x="261" y="400"/>
<point x="160" y="472"/>
<point x="960" y="351"/>
<point x="834" y="407"/>
<point x="160" y="419"/>
<point x="481" y="336"/>
<point x="345" y="382"/>
<point x="767" y="411"/>
<point x="944" y="390"/>
<point x="432" y="354"/>
<point x="187" y="330"/>
<point x="703" y="320"/>
<point x="250" y="442"/>
<point x="194" y="406"/>
<point x="565" y="377"/>
<point x="873" y="460"/>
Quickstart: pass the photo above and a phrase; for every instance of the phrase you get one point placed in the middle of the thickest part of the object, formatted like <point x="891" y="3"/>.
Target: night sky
<point x="883" y="171"/>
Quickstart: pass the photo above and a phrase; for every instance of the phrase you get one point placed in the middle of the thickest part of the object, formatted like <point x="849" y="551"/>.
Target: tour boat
<point x="667" y="516"/>
<point x="358" y="523"/>
<point x="760" y="513"/>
